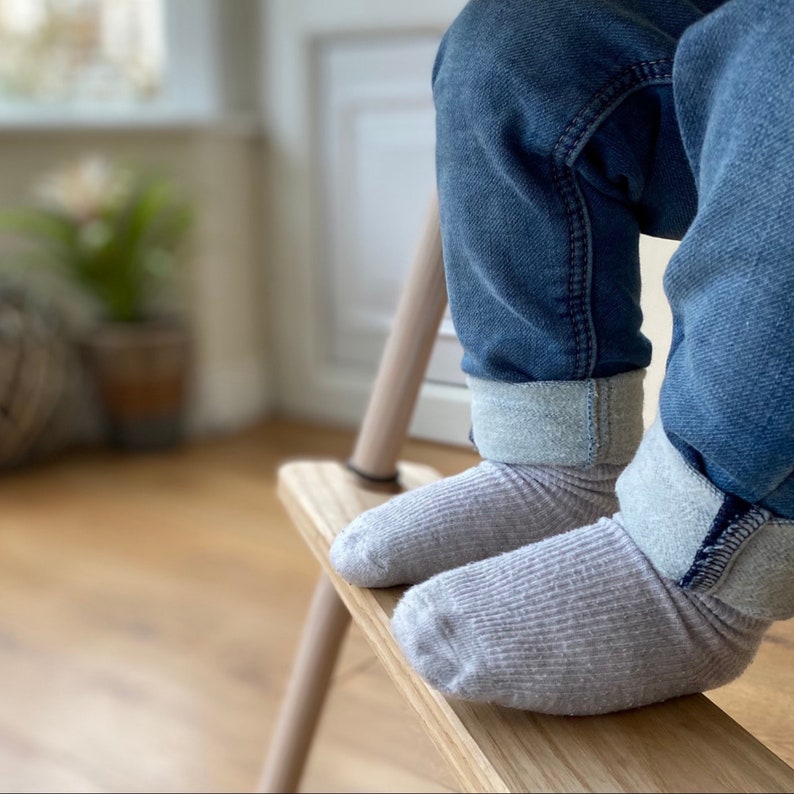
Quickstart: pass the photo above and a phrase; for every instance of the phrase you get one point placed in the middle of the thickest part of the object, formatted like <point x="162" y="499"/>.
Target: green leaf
<point x="119" y="255"/>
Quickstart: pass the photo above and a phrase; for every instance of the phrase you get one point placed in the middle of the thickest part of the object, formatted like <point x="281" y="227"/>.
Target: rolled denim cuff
<point x="706" y="540"/>
<point x="566" y="423"/>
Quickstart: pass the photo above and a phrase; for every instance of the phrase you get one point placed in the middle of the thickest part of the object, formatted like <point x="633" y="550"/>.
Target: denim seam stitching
<point x="591" y="440"/>
<point x="563" y="157"/>
<point x="712" y="561"/>
<point x="608" y="419"/>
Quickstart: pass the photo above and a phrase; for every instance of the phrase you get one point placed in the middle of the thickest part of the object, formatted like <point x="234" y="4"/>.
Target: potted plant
<point x="115" y="234"/>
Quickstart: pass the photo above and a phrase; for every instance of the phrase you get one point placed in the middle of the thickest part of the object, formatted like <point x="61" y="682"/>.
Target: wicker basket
<point x="39" y="379"/>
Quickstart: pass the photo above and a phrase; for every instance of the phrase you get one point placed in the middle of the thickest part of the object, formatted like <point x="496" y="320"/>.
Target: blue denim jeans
<point x="565" y="128"/>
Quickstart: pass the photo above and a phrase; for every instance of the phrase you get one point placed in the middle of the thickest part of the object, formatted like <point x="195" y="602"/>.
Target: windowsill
<point x="242" y="124"/>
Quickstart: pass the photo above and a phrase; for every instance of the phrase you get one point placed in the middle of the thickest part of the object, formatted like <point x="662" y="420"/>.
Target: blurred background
<point x="295" y="143"/>
<point x="207" y="208"/>
<point x="300" y="136"/>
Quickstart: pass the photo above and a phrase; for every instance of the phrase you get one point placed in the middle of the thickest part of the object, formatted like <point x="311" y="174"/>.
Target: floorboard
<point x="149" y="609"/>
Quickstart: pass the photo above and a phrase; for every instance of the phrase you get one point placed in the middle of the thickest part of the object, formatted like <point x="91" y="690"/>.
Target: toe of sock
<point x="426" y="634"/>
<point x="352" y="556"/>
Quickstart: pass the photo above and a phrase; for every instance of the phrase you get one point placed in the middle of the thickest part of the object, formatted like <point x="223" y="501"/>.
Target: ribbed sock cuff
<point x="704" y="539"/>
<point x="564" y="423"/>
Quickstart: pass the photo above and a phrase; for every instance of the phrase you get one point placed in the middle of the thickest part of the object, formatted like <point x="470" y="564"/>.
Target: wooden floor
<point x="149" y="609"/>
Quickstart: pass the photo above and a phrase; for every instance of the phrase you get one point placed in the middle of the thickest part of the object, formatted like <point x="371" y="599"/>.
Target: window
<point x="90" y="51"/>
<point x="105" y="58"/>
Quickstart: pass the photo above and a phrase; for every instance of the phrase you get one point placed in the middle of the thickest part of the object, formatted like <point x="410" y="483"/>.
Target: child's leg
<point x="557" y="143"/>
<point x="673" y="594"/>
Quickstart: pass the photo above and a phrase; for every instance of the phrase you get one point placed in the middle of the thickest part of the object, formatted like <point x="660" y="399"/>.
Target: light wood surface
<point x="404" y="361"/>
<point x="374" y="460"/>
<point x="150" y="607"/>
<point x="682" y="745"/>
<point x="307" y="691"/>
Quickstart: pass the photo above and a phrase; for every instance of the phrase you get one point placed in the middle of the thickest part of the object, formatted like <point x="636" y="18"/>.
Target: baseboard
<point x="340" y="397"/>
<point x="229" y="395"/>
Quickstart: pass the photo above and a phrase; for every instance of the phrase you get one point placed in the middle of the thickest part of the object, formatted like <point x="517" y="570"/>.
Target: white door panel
<point x="350" y="135"/>
<point x="352" y="139"/>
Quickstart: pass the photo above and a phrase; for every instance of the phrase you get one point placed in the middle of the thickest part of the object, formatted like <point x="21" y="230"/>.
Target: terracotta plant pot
<point x="141" y="372"/>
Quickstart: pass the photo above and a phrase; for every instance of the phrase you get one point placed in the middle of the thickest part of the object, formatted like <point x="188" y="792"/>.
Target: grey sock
<point x="577" y="624"/>
<point x="486" y="510"/>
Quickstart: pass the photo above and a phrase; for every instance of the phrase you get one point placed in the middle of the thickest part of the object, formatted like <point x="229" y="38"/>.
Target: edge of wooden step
<point x="687" y="744"/>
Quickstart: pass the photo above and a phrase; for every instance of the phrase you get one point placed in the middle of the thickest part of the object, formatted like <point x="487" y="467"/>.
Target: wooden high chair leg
<point x="374" y="460"/>
<point x="323" y="632"/>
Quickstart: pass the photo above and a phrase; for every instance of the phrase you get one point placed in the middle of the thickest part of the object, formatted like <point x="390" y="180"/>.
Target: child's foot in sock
<point x="486" y="510"/>
<point x="577" y="624"/>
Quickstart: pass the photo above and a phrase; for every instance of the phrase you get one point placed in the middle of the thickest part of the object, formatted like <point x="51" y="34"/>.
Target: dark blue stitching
<point x="735" y="522"/>
<point x="563" y="156"/>
<point x="593" y="422"/>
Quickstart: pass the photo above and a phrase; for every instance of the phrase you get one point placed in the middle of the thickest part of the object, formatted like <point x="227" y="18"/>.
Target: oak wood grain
<point x="150" y="606"/>
<point x="683" y="745"/>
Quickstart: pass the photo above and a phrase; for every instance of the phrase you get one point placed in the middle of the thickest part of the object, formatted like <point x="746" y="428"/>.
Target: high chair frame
<point x="683" y="745"/>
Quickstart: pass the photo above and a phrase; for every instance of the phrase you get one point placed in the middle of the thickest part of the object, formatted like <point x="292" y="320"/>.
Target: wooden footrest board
<point x="683" y="745"/>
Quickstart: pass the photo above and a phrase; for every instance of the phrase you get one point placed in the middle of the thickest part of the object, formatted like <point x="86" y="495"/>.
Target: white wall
<point x="657" y="318"/>
<point x="349" y="127"/>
